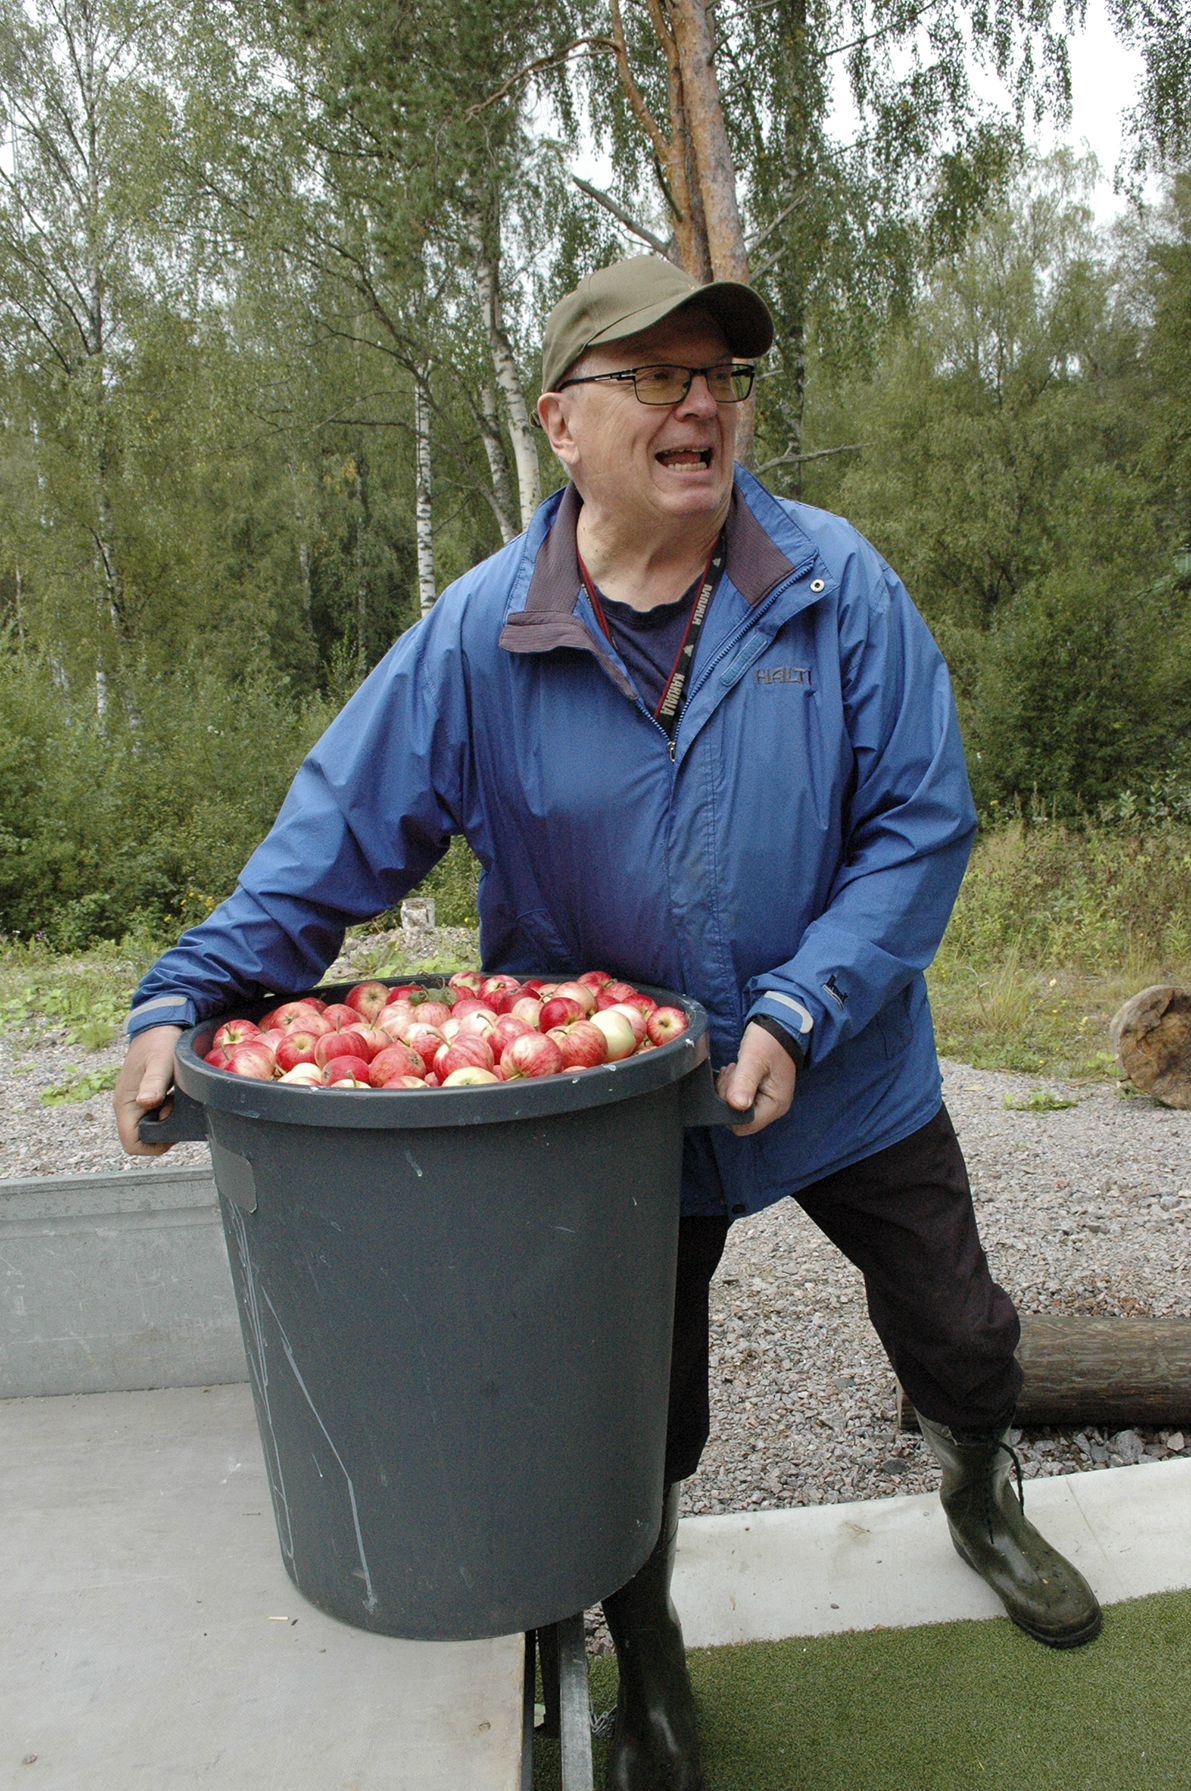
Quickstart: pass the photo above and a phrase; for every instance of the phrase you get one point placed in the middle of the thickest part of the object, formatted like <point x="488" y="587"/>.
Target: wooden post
<point x="1104" y="1371"/>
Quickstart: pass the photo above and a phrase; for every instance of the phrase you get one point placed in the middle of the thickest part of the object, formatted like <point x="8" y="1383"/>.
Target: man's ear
<point x="554" y="418"/>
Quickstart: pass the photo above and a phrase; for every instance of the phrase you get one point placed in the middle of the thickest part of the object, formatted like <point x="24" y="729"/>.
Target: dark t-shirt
<point x="648" y="640"/>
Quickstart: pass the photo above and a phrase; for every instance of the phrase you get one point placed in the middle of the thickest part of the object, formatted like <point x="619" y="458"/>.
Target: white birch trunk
<point x="525" y="452"/>
<point x="422" y="513"/>
<point x="505" y="504"/>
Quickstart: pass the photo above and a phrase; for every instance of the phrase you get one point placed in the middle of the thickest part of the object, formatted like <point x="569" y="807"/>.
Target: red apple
<point x="558" y="1010"/>
<point x="580" y="992"/>
<point x="533" y="1054"/>
<point x="397" y="1018"/>
<point x="666" y="1023"/>
<point x="218" y="1058"/>
<point x="644" y="1004"/>
<point x="466" y="979"/>
<point x="467" y="1076"/>
<point x="376" y="1039"/>
<point x="582" y="1044"/>
<point x="348" y="1069"/>
<point x="404" y="1081"/>
<point x="252" y="1059"/>
<point x="339" y="1016"/>
<point x="617" y="1029"/>
<point x="466" y="1050"/>
<point x="367" y="1000"/>
<point x="274" y="1036"/>
<point x="340" y="1044"/>
<point x="236" y="1032"/>
<point x="533" y="986"/>
<point x="432" y="1013"/>
<point x="529" y="1009"/>
<point x="425" y="1040"/>
<point x="595" y="979"/>
<point x="611" y="993"/>
<point x="297" y="1047"/>
<point x="394" y="1060"/>
<point x="498" y="985"/>
<point x="481" y="1025"/>
<point x="298" y="1013"/>
<point x="507" y="1028"/>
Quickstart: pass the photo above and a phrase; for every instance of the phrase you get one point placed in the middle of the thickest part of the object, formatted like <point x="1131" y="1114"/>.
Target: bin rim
<point x="500" y="1103"/>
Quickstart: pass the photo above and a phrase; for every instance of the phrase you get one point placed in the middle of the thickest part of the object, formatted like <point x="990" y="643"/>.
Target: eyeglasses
<point x="729" y="382"/>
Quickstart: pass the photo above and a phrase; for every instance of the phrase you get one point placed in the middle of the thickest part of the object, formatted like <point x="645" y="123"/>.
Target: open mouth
<point x="685" y="459"/>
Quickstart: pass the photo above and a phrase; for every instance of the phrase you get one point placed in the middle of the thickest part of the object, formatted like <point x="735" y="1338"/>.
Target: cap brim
<point x="740" y="312"/>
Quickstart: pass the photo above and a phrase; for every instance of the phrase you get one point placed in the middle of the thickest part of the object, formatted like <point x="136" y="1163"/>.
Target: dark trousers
<point x="905" y="1218"/>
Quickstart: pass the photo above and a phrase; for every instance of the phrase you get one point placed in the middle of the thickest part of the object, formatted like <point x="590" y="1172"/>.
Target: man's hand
<point x="145" y="1080"/>
<point x="762" y="1077"/>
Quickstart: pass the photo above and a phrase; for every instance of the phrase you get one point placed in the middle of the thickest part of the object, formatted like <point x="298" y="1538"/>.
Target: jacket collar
<point x="754" y="565"/>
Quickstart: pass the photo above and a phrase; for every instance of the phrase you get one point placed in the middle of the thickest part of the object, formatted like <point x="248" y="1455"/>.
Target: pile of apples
<point x="476" y="1029"/>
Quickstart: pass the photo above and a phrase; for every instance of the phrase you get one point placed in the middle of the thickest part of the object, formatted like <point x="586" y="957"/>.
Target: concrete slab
<point x="110" y="1283"/>
<point x="889" y="1563"/>
<point x="152" y="1639"/>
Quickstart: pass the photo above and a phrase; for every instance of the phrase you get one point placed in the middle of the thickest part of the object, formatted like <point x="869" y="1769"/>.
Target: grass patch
<point x="1053" y="930"/>
<point x="944" y="1708"/>
<point x="84" y="998"/>
<point x="1040" y="1100"/>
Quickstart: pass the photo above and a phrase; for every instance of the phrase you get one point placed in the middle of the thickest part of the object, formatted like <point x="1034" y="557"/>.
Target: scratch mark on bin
<point x="409" y="1157"/>
<point x="254" y="1349"/>
<point x="371" y="1602"/>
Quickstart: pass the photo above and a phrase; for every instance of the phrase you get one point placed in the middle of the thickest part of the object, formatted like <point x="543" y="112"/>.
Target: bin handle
<point x="186" y="1119"/>
<point x="701" y="1105"/>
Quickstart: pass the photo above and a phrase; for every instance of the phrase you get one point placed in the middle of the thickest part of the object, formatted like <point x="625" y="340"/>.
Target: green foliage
<point x="140" y="819"/>
<point x="1039" y="1100"/>
<point x="79" y="1087"/>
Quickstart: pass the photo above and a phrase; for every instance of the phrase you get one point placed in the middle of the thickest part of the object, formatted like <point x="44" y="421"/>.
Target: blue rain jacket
<point x="797" y="856"/>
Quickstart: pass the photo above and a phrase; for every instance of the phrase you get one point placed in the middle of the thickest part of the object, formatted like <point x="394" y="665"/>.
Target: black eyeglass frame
<point x="692" y="374"/>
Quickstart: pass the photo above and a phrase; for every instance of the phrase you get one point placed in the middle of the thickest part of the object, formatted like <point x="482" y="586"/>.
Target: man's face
<point x="643" y="461"/>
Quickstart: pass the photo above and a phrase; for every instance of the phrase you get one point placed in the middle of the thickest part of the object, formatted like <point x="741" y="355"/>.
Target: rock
<point x="1176" y="1443"/>
<point x="1128" y="1445"/>
<point x="1151" y="1036"/>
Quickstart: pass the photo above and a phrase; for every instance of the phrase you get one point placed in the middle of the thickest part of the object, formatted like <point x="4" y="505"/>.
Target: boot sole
<point x="1072" y="1638"/>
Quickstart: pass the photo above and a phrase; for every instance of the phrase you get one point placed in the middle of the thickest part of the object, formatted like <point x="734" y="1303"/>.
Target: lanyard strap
<point x="674" y="695"/>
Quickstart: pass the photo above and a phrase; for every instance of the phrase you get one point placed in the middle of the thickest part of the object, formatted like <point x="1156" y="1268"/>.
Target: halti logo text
<point x="783" y="674"/>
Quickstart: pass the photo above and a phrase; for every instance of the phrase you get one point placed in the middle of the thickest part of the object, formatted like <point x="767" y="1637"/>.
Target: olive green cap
<point x="633" y="295"/>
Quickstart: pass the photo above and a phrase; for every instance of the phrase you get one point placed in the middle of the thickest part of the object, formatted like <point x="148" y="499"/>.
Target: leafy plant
<point x="81" y="1088"/>
<point x="1039" y="1100"/>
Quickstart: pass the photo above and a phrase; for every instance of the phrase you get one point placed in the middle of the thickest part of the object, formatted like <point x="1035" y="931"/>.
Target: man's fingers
<point x="761" y="1078"/>
<point x="143" y="1084"/>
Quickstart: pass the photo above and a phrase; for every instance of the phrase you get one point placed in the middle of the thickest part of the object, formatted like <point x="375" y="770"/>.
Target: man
<point x="699" y="736"/>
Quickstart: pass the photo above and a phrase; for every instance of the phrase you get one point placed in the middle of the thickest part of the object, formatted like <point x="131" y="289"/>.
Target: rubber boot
<point x="1043" y="1593"/>
<point x="654" y="1747"/>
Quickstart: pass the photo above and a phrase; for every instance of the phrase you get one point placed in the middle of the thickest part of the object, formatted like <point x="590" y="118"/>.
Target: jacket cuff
<point x="162" y="1010"/>
<point x="786" y="1040"/>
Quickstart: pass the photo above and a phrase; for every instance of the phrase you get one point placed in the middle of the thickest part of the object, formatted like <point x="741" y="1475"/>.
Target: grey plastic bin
<point x="457" y="1310"/>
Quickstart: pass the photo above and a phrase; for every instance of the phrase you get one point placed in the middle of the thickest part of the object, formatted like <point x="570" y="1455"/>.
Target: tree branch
<point x="622" y="216"/>
<point x="536" y="68"/>
<point x="789" y="459"/>
<point x="632" y="92"/>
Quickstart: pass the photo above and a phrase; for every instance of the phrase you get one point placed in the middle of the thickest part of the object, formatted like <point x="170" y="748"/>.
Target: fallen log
<point x="1151" y="1037"/>
<point x="1104" y="1371"/>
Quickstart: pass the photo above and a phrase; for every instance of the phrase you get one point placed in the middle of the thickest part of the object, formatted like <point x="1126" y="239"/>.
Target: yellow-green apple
<point x="468" y="1075"/>
<point x="617" y="1029"/>
<point x="404" y="1082"/>
<point x="303" y="1075"/>
<point x="633" y="1015"/>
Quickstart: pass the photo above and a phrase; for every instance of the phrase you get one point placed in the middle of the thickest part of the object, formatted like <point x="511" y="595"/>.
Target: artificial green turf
<point x="946" y="1708"/>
